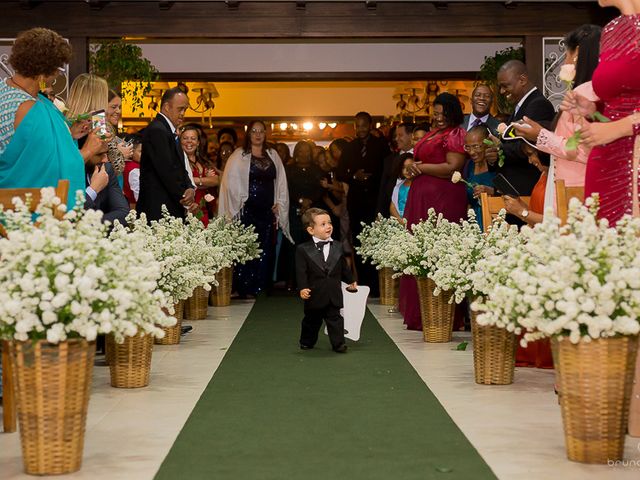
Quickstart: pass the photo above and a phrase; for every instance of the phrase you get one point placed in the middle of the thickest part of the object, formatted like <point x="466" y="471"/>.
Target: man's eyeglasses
<point x="473" y="148"/>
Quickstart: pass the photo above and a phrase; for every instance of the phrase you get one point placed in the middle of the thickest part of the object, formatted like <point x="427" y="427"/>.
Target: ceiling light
<point x="322" y="125"/>
<point x="284" y="125"/>
<point x="307" y="126"/>
<point x="333" y="124"/>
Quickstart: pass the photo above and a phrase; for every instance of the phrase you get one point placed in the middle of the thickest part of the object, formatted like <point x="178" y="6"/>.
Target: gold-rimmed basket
<point x="220" y="295"/>
<point x="389" y="286"/>
<point x="594" y="382"/>
<point x="436" y="312"/>
<point x="52" y="385"/>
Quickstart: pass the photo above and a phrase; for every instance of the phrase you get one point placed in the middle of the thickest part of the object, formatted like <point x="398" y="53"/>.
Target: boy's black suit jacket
<point x="322" y="278"/>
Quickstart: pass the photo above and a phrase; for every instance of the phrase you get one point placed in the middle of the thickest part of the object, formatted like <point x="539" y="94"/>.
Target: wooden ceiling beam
<point x="283" y="20"/>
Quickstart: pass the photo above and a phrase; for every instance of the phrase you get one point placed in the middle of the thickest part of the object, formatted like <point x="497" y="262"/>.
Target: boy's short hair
<point x="309" y="217"/>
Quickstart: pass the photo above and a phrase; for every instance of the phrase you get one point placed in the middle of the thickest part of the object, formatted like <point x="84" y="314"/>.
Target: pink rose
<point x="209" y="198"/>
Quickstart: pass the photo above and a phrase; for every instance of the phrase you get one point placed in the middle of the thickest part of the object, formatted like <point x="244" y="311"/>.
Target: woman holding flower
<point x="614" y="161"/>
<point x="203" y="171"/>
<point x="437" y="155"/>
<point x="568" y="159"/>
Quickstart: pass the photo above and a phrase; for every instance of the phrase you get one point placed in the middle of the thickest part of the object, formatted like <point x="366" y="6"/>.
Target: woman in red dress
<point x="437" y="155"/>
<point x="204" y="174"/>
<point x="612" y="169"/>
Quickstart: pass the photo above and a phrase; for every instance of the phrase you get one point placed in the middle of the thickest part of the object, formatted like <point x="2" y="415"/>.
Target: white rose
<point x="456" y="177"/>
<point x="567" y="72"/>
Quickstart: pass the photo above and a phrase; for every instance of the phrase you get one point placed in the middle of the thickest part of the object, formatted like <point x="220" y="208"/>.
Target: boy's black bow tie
<point x="320" y="245"/>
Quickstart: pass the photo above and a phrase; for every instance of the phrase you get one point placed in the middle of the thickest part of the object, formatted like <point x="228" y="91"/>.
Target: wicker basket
<point x="436" y="312"/>
<point x="52" y="390"/>
<point x="494" y="353"/>
<point x="220" y="296"/>
<point x="388" y="286"/>
<point x="130" y="361"/>
<point x="172" y="334"/>
<point x="195" y="307"/>
<point x="594" y="382"/>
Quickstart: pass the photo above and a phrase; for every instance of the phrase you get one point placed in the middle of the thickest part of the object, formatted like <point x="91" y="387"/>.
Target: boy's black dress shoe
<point x="305" y="347"/>
<point x="341" y="349"/>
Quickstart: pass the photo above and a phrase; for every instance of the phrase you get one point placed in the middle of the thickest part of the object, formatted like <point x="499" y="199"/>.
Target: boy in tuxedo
<point x="320" y="267"/>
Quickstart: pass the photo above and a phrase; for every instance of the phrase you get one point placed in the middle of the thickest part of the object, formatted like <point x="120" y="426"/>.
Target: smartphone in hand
<point x="99" y="121"/>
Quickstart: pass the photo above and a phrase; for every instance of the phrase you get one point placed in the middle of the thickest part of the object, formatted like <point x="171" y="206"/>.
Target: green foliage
<point x="489" y="73"/>
<point x="118" y="61"/>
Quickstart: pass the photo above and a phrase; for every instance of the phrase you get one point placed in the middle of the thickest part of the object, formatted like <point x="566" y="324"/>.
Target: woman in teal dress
<point x="36" y="146"/>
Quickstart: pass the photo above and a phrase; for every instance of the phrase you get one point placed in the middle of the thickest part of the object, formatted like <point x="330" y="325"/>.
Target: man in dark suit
<point x="103" y="192"/>
<point x="515" y="85"/>
<point x="481" y="101"/>
<point x="320" y="267"/>
<point x="392" y="168"/>
<point x="163" y="174"/>
<point x="361" y="168"/>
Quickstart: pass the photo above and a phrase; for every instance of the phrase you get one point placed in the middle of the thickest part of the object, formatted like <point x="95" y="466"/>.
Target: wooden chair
<point x="563" y="195"/>
<point x="9" y="423"/>
<point x="491" y="206"/>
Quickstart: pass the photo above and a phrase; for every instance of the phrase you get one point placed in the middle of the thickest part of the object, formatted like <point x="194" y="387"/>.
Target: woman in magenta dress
<point x="438" y="154"/>
<point x="612" y="169"/>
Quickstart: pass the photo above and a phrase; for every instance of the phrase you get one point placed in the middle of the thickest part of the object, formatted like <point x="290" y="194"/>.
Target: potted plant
<point x="240" y="245"/>
<point x="580" y="285"/>
<point x="375" y="242"/>
<point x="63" y="282"/>
<point x="494" y="346"/>
<point x="186" y="263"/>
<point x="412" y="253"/>
<point x="118" y="62"/>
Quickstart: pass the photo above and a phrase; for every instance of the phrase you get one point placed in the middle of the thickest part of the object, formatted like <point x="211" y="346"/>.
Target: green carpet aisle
<point x="273" y="411"/>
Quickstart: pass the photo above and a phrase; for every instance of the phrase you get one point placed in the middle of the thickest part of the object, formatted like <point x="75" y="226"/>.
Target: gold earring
<point x="42" y="84"/>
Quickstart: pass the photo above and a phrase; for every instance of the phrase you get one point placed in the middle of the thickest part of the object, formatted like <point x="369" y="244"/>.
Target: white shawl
<point x="234" y="188"/>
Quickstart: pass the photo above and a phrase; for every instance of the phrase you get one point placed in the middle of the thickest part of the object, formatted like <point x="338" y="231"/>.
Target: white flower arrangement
<point x="62" y="279"/>
<point x="238" y="242"/>
<point x="456" y="256"/>
<point x="580" y="281"/>
<point x="187" y="260"/>
<point x="377" y="241"/>
<point x="412" y="252"/>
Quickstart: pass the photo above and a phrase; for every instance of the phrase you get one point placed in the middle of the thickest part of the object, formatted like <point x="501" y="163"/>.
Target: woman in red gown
<point x="438" y="154"/>
<point x="612" y="169"/>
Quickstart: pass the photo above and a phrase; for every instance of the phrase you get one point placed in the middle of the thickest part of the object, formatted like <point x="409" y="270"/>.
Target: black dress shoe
<point x="341" y="349"/>
<point x="305" y="347"/>
<point x="185" y="329"/>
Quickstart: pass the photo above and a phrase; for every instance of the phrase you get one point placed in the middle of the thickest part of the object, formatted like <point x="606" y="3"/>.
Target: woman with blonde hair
<point x="36" y="147"/>
<point x="88" y="94"/>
